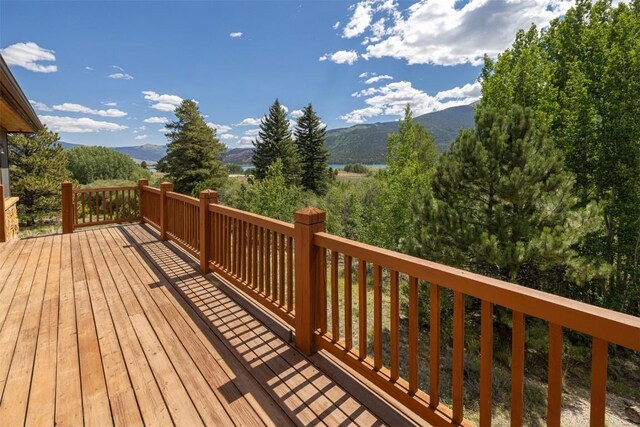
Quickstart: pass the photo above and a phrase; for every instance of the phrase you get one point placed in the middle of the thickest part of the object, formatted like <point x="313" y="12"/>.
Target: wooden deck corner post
<point x="164" y="214"/>
<point x="308" y="221"/>
<point x="67" y="207"/>
<point x="142" y="182"/>
<point x="3" y="224"/>
<point x="207" y="197"/>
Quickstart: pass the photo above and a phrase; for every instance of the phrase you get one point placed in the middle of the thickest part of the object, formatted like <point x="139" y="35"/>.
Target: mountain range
<point x="366" y="143"/>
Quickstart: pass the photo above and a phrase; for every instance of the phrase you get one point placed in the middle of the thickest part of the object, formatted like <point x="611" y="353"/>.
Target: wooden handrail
<point x="183" y="198"/>
<point x="612" y="326"/>
<point x="104" y="189"/>
<point x="255" y="219"/>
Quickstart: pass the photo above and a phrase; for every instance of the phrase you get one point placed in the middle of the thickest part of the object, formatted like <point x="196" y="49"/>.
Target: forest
<point x="544" y="191"/>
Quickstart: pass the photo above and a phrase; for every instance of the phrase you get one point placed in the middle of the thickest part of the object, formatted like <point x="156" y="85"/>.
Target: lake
<point x="332" y="166"/>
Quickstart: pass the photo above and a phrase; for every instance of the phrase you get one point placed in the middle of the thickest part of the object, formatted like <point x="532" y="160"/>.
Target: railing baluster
<point x="322" y="293"/>
<point x="377" y="317"/>
<point x="290" y="274"/>
<point x="274" y="266"/>
<point x="362" y="309"/>
<point x="599" y="361"/>
<point x="413" y="335"/>
<point x="486" y="361"/>
<point x="267" y="263"/>
<point x="554" y="388"/>
<point x="335" y="318"/>
<point x="255" y="256"/>
<point x="348" y="303"/>
<point x="517" y="368"/>
<point x="261" y="257"/>
<point x="250" y="254"/>
<point x="395" y="329"/>
<point x="457" y="388"/>
<point x="434" y="346"/>
<point x="281" y="283"/>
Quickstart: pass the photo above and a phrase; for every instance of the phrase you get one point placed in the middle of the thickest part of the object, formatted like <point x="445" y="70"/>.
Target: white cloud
<point x="156" y="120"/>
<point x="336" y="25"/>
<point x="28" y="55"/>
<point x="88" y="68"/>
<point x="376" y="79"/>
<point x="77" y="108"/>
<point x="443" y="32"/>
<point x="244" y="142"/>
<point x="227" y="136"/>
<point x="40" y="106"/>
<point x="121" y="76"/>
<point x="118" y="67"/>
<point x="141" y="137"/>
<point x="249" y="122"/>
<point x="360" y="20"/>
<point x="143" y="127"/>
<point x="163" y="102"/>
<point x="252" y="132"/>
<point x="341" y="57"/>
<point x="296" y="114"/>
<point x="220" y="129"/>
<point x="235" y="35"/>
<point x="365" y="74"/>
<point x="164" y="130"/>
<point x="391" y="100"/>
<point x="79" y="125"/>
<point x="110" y="104"/>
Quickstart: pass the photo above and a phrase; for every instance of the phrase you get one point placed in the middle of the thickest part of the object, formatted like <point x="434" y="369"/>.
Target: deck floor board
<point x="110" y="326"/>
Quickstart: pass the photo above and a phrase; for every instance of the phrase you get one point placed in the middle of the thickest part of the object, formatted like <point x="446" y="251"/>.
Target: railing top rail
<point x="101" y="189"/>
<point x="255" y="219"/>
<point x="183" y="198"/>
<point x="611" y="326"/>
<point x="151" y="189"/>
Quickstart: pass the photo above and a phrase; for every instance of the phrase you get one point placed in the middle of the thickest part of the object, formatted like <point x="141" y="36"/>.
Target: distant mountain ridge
<point x="366" y="143"/>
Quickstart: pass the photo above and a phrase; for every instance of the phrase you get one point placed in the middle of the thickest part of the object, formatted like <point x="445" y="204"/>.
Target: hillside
<point x="355" y="144"/>
<point x="368" y="143"/>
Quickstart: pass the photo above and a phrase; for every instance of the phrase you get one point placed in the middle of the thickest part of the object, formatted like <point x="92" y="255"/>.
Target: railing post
<point x="164" y="214"/>
<point x="141" y="183"/>
<point x="67" y="207"/>
<point x="308" y="221"/>
<point x="206" y="197"/>
<point x="3" y="221"/>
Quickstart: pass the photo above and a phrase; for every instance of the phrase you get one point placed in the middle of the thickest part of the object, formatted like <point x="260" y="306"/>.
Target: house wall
<point x="4" y="163"/>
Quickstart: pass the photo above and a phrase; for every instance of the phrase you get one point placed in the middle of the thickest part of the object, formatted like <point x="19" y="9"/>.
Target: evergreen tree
<point x="411" y="158"/>
<point x="38" y="167"/>
<point x="310" y="137"/>
<point x="143" y="165"/>
<point x="193" y="152"/>
<point x="503" y="205"/>
<point x="578" y="76"/>
<point x="274" y="142"/>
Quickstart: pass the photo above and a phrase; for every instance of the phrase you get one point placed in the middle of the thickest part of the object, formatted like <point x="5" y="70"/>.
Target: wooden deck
<point x="112" y="327"/>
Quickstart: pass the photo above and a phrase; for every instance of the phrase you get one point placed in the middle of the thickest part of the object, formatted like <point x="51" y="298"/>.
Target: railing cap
<point x="310" y="215"/>
<point x="67" y="183"/>
<point x="208" y="194"/>
<point x="167" y="186"/>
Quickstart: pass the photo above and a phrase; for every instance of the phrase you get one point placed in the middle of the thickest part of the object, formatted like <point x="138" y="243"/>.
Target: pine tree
<point x="411" y="158"/>
<point x="310" y="137"/>
<point x="274" y="142"/>
<point x="503" y="205"/>
<point x="38" y="167"/>
<point x="193" y="153"/>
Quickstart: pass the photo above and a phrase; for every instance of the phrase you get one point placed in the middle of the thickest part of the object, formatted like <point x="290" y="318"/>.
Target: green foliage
<point x="310" y="136"/>
<point x="503" y="205"/>
<point x="351" y="208"/>
<point x="578" y="77"/>
<point x="411" y="157"/>
<point x="234" y="169"/>
<point x="274" y="143"/>
<point x="272" y="196"/>
<point x="144" y="165"/>
<point x="193" y="152"/>
<point x="356" y="168"/>
<point x="88" y="164"/>
<point x="38" y="168"/>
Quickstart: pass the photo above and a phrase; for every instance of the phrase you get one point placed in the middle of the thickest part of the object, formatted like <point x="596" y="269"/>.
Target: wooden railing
<point x="325" y="287"/>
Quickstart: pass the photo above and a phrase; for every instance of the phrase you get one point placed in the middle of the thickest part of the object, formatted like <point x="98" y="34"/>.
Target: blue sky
<point x="109" y="72"/>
